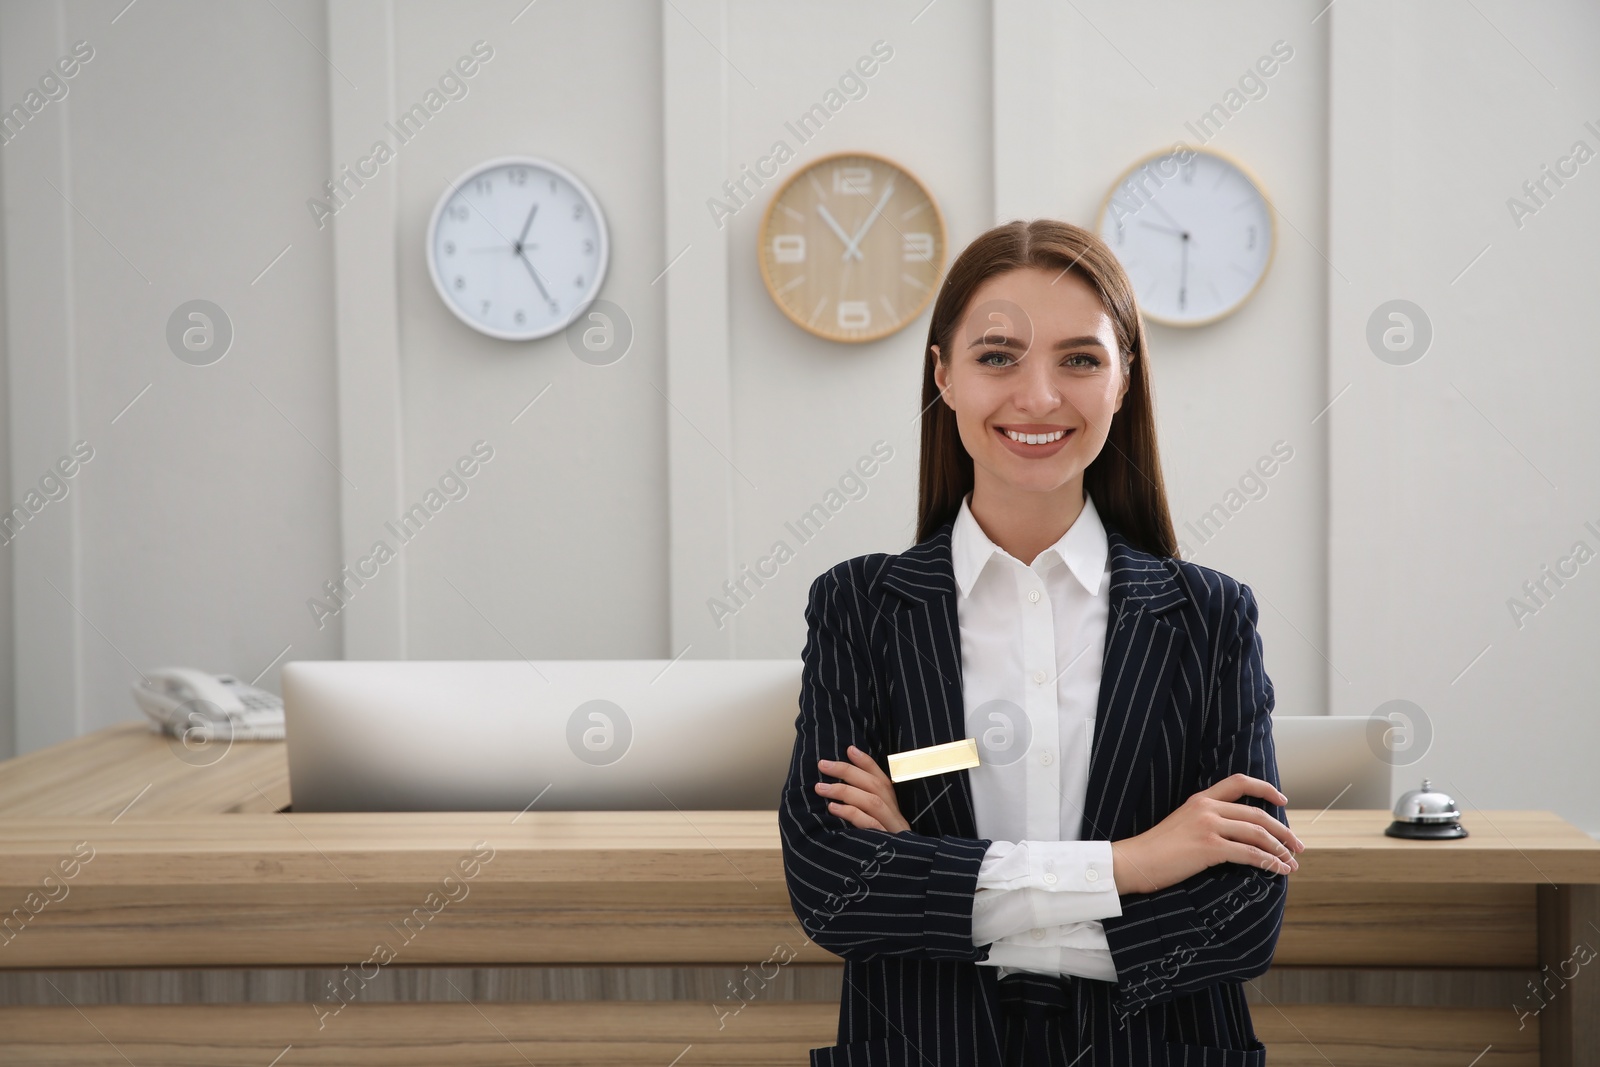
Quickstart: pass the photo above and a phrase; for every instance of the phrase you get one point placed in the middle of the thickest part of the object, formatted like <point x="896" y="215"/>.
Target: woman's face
<point x="1034" y="354"/>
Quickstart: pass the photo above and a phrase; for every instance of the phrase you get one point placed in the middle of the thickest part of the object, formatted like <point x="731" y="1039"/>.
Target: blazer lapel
<point x="1140" y="656"/>
<point x="1141" y="653"/>
<point x="926" y="649"/>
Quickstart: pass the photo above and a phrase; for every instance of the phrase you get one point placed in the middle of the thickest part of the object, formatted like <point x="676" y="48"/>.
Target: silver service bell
<point x="1426" y="815"/>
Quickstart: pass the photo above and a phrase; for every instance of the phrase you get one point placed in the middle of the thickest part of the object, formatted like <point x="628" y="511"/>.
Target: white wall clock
<point x="517" y="248"/>
<point x="1194" y="230"/>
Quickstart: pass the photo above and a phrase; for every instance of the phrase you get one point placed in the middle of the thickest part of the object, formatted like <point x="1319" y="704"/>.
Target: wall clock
<point x="517" y="248"/>
<point x="1195" y="232"/>
<point x="852" y="247"/>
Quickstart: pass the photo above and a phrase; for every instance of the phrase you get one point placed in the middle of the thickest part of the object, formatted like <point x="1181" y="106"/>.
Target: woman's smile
<point x="1034" y="441"/>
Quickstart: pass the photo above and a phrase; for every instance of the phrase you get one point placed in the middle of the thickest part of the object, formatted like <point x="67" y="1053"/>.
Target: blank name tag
<point x="935" y="759"/>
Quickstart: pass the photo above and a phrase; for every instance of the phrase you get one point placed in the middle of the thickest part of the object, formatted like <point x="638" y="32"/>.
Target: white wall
<point x="179" y="159"/>
<point x="1083" y="92"/>
<point x="1383" y="553"/>
<point x="558" y="550"/>
<point x="1456" y="478"/>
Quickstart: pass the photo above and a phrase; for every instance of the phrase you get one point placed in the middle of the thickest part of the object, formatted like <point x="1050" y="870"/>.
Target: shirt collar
<point x="1083" y="548"/>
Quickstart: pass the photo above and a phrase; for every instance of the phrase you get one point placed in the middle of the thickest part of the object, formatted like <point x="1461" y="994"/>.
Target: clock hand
<point x="839" y="232"/>
<point x="1183" y="276"/>
<point x="523" y="236"/>
<point x="1165" y="215"/>
<point x="1169" y="218"/>
<point x="888" y="191"/>
<point x="1163" y="229"/>
<point x="529" y="264"/>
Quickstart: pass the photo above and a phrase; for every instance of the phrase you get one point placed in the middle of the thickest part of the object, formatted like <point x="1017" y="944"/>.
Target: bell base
<point x="1423" y="831"/>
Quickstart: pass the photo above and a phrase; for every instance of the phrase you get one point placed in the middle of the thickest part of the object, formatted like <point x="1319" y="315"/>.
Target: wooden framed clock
<point x="1194" y="230"/>
<point x="852" y="247"/>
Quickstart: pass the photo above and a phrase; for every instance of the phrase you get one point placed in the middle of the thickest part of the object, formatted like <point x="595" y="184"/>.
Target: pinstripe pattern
<point x="1184" y="702"/>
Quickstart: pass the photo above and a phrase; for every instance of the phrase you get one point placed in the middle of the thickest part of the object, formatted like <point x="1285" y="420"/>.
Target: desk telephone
<point x="200" y="707"/>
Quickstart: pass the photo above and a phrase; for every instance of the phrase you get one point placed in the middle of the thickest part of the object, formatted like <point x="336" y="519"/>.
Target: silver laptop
<point x="553" y="735"/>
<point x="1328" y="760"/>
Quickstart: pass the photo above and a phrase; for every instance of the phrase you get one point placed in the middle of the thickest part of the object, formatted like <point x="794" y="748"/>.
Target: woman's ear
<point x="941" y="375"/>
<point x="1127" y="377"/>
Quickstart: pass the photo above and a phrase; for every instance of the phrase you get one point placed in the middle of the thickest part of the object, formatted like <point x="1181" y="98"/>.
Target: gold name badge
<point x="935" y="759"/>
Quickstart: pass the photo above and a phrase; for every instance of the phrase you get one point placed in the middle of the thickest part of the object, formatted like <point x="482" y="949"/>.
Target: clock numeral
<point x="919" y="248"/>
<point x="482" y="186"/>
<point x="518" y="176"/>
<point x="854" y="315"/>
<point x="519" y="317"/>
<point x="1187" y="170"/>
<point x="1251" y="242"/>
<point x="789" y="248"/>
<point x="853" y="180"/>
<point x="588" y="246"/>
<point x="458" y="212"/>
<point x="486" y="307"/>
<point x="578" y="281"/>
<point x="577" y="211"/>
<point x="461" y="282"/>
<point x="449" y="248"/>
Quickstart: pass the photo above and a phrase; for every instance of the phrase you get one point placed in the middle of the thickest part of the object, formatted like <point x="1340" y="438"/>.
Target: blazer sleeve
<point x="863" y="893"/>
<point x="1222" y="923"/>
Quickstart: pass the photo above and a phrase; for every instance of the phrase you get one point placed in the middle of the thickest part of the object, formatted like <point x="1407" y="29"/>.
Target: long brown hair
<point x="1125" y="478"/>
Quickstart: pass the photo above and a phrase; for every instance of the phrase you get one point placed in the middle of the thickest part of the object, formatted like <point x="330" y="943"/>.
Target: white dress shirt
<point x="1032" y="644"/>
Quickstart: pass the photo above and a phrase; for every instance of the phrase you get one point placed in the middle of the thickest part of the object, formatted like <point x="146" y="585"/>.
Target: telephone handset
<point x="184" y="702"/>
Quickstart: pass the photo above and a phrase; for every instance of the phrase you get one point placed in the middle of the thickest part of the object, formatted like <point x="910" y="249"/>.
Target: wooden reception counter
<point x="160" y="907"/>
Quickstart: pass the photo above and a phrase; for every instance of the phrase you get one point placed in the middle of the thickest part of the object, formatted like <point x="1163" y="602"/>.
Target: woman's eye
<point x="1088" y="361"/>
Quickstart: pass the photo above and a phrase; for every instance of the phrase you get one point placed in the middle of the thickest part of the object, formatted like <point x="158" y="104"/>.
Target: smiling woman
<point x="1078" y="896"/>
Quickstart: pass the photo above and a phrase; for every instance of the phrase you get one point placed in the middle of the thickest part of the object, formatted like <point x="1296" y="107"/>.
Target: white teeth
<point x="1035" y="438"/>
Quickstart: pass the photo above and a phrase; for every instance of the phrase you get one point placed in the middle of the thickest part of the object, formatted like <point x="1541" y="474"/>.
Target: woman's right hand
<point x="1209" y="828"/>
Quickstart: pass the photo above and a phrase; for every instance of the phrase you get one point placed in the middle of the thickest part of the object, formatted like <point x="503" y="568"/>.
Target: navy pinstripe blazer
<point x="1184" y="702"/>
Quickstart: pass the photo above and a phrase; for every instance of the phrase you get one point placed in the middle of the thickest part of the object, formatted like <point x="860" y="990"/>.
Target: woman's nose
<point x="1037" y="390"/>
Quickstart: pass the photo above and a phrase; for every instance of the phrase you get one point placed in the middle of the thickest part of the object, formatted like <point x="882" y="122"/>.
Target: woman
<point x="1098" y="888"/>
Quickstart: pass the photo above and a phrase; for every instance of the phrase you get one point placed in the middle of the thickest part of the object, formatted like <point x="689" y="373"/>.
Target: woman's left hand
<point x="864" y="795"/>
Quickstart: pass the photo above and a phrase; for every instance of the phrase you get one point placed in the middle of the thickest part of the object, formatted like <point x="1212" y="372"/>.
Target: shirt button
<point x="1038" y="935"/>
<point x="1039" y="677"/>
<point x="1033" y="596"/>
<point x="1091" y="875"/>
<point x="1046" y="759"/>
<point x="1051" y="879"/>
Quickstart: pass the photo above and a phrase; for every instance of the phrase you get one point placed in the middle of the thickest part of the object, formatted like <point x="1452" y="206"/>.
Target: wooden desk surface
<point x="151" y="812"/>
<point x="130" y="769"/>
<point x="194" y="865"/>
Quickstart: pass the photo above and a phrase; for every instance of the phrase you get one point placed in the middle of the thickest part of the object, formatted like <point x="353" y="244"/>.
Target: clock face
<point x="1195" y="235"/>
<point x="852" y="247"/>
<point x="517" y="248"/>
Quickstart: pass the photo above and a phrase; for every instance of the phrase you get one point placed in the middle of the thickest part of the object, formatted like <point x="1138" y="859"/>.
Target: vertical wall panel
<point x="1461" y="471"/>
